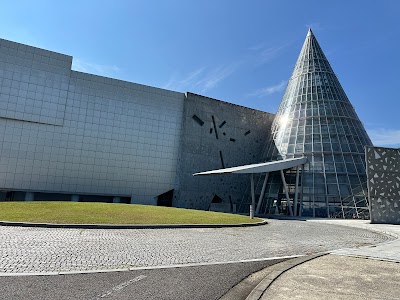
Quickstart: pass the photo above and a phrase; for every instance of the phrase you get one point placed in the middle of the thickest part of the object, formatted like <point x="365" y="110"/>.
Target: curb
<point x="276" y="271"/>
<point x="242" y="289"/>
<point x="280" y="217"/>
<point x="123" y="226"/>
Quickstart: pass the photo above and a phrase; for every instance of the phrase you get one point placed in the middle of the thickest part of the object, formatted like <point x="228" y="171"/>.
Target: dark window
<point x="198" y="120"/>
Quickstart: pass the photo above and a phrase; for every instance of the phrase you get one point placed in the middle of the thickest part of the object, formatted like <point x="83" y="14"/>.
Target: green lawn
<point x="107" y="213"/>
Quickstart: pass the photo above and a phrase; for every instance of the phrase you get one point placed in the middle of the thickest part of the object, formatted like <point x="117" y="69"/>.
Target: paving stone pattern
<point x="33" y="250"/>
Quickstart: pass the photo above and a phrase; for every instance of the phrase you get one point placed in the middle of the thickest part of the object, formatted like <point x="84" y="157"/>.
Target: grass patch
<point x="107" y="213"/>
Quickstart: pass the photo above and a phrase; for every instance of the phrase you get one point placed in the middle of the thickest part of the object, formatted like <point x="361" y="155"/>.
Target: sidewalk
<point x="371" y="272"/>
<point x="338" y="277"/>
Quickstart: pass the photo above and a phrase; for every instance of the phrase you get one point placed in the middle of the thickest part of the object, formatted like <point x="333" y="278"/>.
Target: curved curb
<point x="126" y="226"/>
<point x="276" y="271"/>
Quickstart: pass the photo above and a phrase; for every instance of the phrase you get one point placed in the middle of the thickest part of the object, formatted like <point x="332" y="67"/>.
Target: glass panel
<point x="330" y="178"/>
<point x="345" y="148"/>
<point x="342" y="179"/>
<point x="326" y="147"/>
<point x="340" y="167"/>
<point x="351" y="168"/>
<point x="335" y="147"/>
<point x="307" y="147"/>
<point x="360" y="168"/>
<point x="318" y="167"/>
<point x="319" y="188"/>
<point x="333" y="189"/>
<point x="344" y="189"/>
<point x="319" y="178"/>
<point x="316" y="138"/>
<point x="330" y="167"/>
<point x="317" y="147"/>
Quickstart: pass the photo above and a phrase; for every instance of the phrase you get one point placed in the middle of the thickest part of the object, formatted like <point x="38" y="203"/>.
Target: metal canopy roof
<point x="259" y="168"/>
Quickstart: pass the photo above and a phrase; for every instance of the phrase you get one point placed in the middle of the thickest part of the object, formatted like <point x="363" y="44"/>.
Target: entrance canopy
<point x="259" y="168"/>
<point x="266" y="168"/>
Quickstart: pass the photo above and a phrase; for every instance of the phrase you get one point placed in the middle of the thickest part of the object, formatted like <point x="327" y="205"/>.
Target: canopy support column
<point x="253" y="196"/>
<point x="262" y="193"/>
<point x="296" y="191"/>
<point x="301" y="197"/>
<point x="287" y="193"/>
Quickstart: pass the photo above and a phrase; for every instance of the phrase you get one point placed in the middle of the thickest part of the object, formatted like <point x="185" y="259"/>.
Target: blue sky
<point x="238" y="51"/>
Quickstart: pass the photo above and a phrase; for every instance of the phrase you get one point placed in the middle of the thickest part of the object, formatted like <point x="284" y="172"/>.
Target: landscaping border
<point x="127" y="226"/>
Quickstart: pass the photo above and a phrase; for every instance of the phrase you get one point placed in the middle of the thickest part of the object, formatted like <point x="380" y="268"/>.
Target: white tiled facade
<point x="68" y="132"/>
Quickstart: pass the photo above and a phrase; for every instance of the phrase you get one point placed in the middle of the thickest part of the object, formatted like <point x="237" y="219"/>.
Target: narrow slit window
<point x="198" y="120"/>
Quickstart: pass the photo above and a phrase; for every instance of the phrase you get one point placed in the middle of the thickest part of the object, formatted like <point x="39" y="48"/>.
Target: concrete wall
<point x="63" y="131"/>
<point x="383" y="172"/>
<point x="215" y="135"/>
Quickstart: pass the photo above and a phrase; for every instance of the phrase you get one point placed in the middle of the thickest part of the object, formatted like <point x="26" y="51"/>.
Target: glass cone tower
<point x="317" y="120"/>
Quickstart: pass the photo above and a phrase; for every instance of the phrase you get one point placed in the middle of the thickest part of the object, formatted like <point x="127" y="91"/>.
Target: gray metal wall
<point x="383" y="172"/>
<point x="63" y="131"/>
<point x="215" y="135"/>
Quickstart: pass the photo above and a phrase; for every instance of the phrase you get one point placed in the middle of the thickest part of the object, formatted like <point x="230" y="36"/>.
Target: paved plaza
<point x="337" y="277"/>
<point x="44" y="250"/>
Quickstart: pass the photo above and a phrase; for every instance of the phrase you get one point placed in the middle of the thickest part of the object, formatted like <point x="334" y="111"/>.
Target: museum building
<point x="71" y="136"/>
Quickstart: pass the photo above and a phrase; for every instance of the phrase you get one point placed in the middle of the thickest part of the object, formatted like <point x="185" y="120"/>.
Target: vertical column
<point x="262" y="193"/>
<point x="75" y="198"/>
<point x="29" y="196"/>
<point x="253" y="196"/>
<point x="286" y="193"/>
<point x="301" y="197"/>
<point x="296" y="191"/>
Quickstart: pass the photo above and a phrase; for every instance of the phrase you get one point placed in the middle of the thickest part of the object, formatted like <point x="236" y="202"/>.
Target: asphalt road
<point x="194" y="283"/>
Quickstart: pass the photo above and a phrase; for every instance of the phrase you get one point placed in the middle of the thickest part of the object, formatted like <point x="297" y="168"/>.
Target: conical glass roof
<point x="315" y="118"/>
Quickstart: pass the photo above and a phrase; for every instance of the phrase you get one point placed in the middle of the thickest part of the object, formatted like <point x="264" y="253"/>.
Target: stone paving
<point x="387" y="251"/>
<point x="39" y="250"/>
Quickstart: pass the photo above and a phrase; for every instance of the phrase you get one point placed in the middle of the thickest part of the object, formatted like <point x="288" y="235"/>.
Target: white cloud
<point x="88" y="67"/>
<point x="269" y="54"/>
<point x="215" y="76"/>
<point x="206" y="78"/>
<point x="201" y="79"/>
<point x="184" y="83"/>
<point x="262" y="53"/>
<point x="269" y="90"/>
<point x="385" y="137"/>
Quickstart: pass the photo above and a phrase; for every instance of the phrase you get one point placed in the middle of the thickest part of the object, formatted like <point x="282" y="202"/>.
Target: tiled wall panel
<point x="84" y="134"/>
<point x="34" y="83"/>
